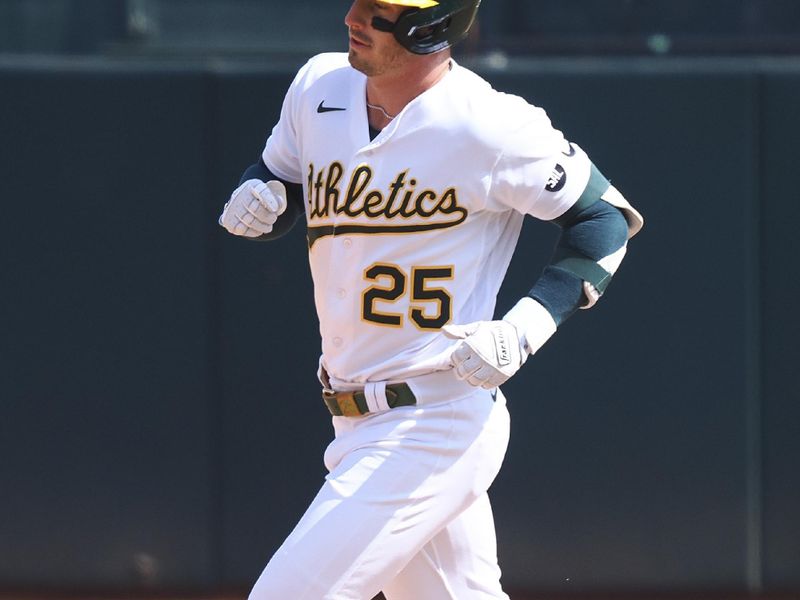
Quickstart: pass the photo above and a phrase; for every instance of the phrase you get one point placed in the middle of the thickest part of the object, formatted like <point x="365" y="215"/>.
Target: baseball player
<point x="414" y="176"/>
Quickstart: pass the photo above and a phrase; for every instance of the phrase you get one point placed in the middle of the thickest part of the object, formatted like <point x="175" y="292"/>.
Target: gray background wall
<point x="160" y="423"/>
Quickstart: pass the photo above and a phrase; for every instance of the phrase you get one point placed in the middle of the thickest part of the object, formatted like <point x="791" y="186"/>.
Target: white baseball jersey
<point x="414" y="229"/>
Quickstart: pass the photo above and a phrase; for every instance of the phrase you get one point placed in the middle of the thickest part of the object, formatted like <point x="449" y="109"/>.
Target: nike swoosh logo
<point x="323" y="109"/>
<point x="571" y="150"/>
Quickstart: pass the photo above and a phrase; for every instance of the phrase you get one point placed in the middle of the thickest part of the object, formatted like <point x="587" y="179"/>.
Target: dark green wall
<point x="157" y="392"/>
<point x="780" y="246"/>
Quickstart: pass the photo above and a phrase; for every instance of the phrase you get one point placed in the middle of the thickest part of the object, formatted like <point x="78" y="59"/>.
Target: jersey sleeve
<point x="538" y="171"/>
<point x="281" y="154"/>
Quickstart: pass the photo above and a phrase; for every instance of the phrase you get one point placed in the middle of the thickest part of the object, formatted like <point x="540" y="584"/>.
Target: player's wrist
<point x="534" y="324"/>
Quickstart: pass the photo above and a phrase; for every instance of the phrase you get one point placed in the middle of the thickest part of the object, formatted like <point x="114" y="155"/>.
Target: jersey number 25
<point x="431" y="307"/>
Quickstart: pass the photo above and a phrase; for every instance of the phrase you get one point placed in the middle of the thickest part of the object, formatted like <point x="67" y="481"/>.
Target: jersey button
<point x="341" y="293"/>
<point x="348" y="243"/>
<point x="337" y="341"/>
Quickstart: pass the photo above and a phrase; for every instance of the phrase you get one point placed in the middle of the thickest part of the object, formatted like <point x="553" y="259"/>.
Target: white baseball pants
<point x="404" y="509"/>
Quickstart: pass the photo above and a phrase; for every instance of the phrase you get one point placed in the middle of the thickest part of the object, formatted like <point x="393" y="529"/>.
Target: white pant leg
<point x="459" y="563"/>
<point x="397" y="478"/>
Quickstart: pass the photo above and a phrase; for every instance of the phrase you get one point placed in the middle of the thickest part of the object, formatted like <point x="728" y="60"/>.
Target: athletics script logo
<point x="400" y="208"/>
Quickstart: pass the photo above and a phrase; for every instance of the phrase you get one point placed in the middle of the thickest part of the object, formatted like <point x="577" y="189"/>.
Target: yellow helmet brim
<point x="412" y="3"/>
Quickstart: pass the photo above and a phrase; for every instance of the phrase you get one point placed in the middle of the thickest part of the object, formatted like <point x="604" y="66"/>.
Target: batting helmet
<point x="428" y="26"/>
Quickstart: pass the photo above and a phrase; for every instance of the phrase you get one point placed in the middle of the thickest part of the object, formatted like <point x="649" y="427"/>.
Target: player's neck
<point x="392" y="92"/>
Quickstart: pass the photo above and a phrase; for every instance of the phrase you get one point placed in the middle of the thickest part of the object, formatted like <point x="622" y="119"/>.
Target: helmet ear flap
<point x="431" y="29"/>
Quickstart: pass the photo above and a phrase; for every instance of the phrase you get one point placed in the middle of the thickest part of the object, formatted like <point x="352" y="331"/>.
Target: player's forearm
<point x="589" y="236"/>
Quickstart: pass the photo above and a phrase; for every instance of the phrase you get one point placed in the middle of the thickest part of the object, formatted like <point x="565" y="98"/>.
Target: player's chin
<point x="359" y="64"/>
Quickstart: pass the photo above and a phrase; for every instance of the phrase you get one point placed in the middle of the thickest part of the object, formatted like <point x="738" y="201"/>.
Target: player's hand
<point x="253" y="208"/>
<point x="489" y="354"/>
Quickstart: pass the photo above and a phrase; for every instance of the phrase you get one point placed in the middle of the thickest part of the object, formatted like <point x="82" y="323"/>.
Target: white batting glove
<point x="253" y="208"/>
<point x="490" y="353"/>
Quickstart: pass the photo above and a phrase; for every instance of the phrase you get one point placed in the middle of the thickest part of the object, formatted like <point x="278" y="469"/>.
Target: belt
<point x="354" y="404"/>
